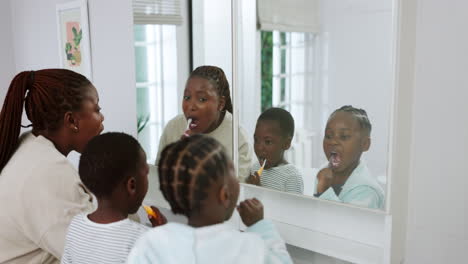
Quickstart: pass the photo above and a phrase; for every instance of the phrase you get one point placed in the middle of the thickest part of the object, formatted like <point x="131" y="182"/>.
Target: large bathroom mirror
<point x="343" y="57"/>
<point x="174" y="96"/>
<point x="328" y="63"/>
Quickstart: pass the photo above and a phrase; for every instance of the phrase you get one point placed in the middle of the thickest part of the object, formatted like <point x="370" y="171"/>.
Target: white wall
<point x="111" y="32"/>
<point x="438" y="212"/>
<point x="7" y="63"/>
<point x="212" y="34"/>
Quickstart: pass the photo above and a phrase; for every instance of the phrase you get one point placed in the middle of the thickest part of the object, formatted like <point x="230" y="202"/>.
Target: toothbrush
<point x="150" y="211"/>
<point x="260" y="171"/>
<point x="189" y="121"/>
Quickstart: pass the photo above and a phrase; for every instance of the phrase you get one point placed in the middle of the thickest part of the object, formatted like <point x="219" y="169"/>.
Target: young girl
<point x="113" y="167"/>
<point x="40" y="190"/>
<point x="197" y="179"/>
<point x="207" y="110"/>
<point x="273" y="134"/>
<point x="346" y="178"/>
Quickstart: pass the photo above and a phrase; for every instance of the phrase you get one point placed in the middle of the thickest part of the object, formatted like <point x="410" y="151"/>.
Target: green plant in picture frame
<point x="73" y="51"/>
<point x="73" y="37"/>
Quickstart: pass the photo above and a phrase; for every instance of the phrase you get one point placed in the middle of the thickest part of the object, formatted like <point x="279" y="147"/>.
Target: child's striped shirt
<point x="286" y="178"/>
<point x="88" y="242"/>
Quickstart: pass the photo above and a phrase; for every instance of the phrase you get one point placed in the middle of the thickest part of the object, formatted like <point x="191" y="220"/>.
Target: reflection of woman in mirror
<point x="273" y="135"/>
<point x="207" y="110"/>
<point x="346" y="178"/>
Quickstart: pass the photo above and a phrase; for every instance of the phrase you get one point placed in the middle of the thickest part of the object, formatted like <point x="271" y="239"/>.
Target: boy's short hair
<point x="283" y="117"/>
<point x="107" y="160"/>
<point x="359" y="114"/>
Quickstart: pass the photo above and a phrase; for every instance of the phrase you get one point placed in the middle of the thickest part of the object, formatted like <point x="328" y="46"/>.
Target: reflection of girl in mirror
<point x="207" y="108"/>
<point x="197" y="179"/>
<point x="273" y="135"/>
<point x="346" y="178"/>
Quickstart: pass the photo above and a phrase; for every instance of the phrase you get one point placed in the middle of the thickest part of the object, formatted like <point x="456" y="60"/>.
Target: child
<point x="346" y="178"/>
<point x="113" y="167"/>
<point x="197" y="179"/>
<point x="273" y="135"/>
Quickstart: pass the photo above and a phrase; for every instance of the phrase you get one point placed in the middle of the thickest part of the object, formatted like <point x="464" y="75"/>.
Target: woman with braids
<point x="346" y="178"/>
<point x="40" y="190"/>
<point x="207" y="109"/>
<point x="197" y="179"/>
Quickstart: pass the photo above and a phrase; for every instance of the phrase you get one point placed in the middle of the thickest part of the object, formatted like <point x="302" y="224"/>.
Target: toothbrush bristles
<point x="189" y="121"/>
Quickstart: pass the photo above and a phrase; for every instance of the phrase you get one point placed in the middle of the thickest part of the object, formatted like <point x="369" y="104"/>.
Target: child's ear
<point x="222" y="103"/>
<point x="131" y="185"/>
<point x="224" y="196"/>
<point x="287" y="143"/>
<point x="366" y="144"/>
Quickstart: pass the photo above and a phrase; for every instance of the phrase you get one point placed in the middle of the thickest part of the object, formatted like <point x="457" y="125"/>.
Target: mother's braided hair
<point x="46" y="96"/>
<point x="187" y="168"/>
<point x="216" y="76"/>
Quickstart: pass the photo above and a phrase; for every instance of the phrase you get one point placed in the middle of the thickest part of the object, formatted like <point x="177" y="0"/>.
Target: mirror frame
<point x="345" y="232"/>
<point x="235" y="21"/>
<point x="339" y="230"/>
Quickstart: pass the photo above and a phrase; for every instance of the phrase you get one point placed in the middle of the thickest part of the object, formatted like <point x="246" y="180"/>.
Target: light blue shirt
<point x="178" y="243"/>
<point x="360" y="189"/>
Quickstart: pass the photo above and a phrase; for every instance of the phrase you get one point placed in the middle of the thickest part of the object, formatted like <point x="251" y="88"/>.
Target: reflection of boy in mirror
<point x="207" y="109"/>
<point x="273" y="135"/>
<point x="346" y="178"/>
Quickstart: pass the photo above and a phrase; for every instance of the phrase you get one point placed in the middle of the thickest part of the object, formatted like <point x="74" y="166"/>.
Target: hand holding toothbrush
<point x="255" y="178"/>
<point x="325" y="179"/>
<point x="155" y="216"/>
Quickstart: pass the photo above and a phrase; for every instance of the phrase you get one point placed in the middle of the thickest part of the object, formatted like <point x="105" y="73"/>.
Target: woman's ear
<point x="70" y="121"/>
<point x="366" y="144"/>
<point x="131" y="185"/>
<point x="222" y="103"/>
<point x="224" y="196"/>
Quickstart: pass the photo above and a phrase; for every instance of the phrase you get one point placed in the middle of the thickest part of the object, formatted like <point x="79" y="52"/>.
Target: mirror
<point x="171" y="99"/>
<point x="312" y="58"/>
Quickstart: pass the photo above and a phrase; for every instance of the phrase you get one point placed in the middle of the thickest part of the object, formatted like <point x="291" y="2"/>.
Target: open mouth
<point x="193" y="125"/>
<point x="334" y="160"/>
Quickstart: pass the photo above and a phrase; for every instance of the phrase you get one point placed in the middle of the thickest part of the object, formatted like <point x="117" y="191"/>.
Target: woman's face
<point x="88" y="119"/>
<point x="202" y="104"/>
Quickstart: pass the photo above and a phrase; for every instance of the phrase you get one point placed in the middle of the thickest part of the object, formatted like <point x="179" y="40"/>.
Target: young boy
<point x="273" y="135"/>
<point x="113" y="167"/>
<point x="346" y="178"/>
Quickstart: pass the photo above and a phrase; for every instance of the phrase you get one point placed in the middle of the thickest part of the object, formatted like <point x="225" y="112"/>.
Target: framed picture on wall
<point x="73" y="37"/>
